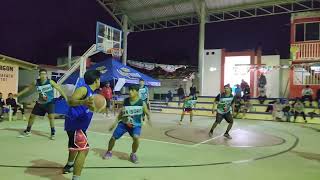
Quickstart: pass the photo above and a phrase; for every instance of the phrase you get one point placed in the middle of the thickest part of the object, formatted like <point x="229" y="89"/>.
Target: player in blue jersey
<point x="45" y="103"/>
<point x="77" y="121"/>
<point x="129" y="120"/>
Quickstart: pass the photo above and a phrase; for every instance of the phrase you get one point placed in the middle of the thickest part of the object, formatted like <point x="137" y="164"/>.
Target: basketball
<point x="99" y="103"/>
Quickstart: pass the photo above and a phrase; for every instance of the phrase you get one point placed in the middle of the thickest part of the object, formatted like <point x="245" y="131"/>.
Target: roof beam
<point x="156" y="6"/>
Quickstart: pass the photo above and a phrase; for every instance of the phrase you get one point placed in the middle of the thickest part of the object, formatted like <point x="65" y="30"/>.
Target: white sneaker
<point x="24" y="134"/>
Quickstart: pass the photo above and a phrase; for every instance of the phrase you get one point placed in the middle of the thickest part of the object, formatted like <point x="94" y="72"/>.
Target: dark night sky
<point x="40" y="32"/>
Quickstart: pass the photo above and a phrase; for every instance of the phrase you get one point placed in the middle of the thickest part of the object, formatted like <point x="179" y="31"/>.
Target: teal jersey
<point x="189" y="103"/>
<point x="144" y="93"/>
<point x="224" y="103"/>
<point x="132" y="113"/>
<point x="45" y="91"/>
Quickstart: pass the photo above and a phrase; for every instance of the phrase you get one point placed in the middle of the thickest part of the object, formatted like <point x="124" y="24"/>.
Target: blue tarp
<point x="112" y="69"/>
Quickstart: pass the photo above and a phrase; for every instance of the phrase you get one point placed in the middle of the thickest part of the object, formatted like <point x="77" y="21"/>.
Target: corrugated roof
<point x="143" y="12"/>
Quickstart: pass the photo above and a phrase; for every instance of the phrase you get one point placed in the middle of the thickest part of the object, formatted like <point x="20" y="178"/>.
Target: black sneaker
<point x="67" y="169"/>
<point x="227" y="136"/>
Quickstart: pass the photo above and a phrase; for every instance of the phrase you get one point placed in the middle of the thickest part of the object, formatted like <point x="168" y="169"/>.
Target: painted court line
<point x="150" y="140"/>
<point x="195" y="145"/>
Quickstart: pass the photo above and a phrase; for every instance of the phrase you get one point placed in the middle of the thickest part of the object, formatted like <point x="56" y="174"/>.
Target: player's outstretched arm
<point x="27" y="89"/>
<point x="58" y="88"/>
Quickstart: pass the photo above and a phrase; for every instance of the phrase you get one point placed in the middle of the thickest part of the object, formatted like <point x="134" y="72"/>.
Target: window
<point x="307" y="32"/>
<point x="312" y="31"/>
<point x="299" y="32"/>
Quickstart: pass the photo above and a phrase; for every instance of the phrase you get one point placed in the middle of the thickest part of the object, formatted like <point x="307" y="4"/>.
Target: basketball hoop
<point x="115" y="52"/>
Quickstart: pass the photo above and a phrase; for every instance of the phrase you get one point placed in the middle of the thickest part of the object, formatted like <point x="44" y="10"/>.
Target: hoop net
<point x="115" y="52"/>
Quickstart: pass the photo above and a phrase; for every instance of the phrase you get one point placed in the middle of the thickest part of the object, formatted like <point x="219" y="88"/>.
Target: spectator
<point x="180" y="92"/>
<point x="245" y="107"/>
<point x="299" y="110"/>
<point x="238" y="91"/>
<point x="277" y="112"/>
<point x="237" y="106"/>
<point x="1" y="106"/>
<point x="193" y="91"/>
<point x="246" y="93"/>
<point x="318" y="98"/>
<point x="307" y="93"/>
<point x="262" y="81"/>
<point x="10" y="101"/>
<point x="286" y="109"/>
<point x="169" y="96"/>
<point x="106" y="91"/>
<point x="243" y="84"/>
<point x="262" y="94"/>
<point x="270" y="106"/>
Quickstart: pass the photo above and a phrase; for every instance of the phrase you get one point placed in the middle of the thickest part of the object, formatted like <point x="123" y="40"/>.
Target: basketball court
<point x="258" y="150"/>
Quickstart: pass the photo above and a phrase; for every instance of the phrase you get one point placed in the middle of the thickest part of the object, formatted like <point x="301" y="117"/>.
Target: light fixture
<point x="212" y="69"/>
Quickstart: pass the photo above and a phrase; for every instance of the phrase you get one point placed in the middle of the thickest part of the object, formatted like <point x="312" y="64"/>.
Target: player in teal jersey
<point x="129" y="120"/>
<point x="188" y="104"/>
<point x="45" y="103"/>
<point x="225" y="106"/>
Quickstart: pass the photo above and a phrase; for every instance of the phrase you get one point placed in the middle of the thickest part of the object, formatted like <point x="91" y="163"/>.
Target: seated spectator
<point x="237" y="106"/>
<point x="169" y="96"/>
<point x="299" y="110"/>
<point x="318" y="98"/>
<point x="1" y="106"/>
<point x="237" y="91"/>
<point x="287" y="110"/>
<point x="270" y="106"/>
<point x="10" y="101"/>
<point x="245" y="107"/>
<point x="277" y="112"/>
<point x="262" y="94"/>
<point x="307" y="93"/>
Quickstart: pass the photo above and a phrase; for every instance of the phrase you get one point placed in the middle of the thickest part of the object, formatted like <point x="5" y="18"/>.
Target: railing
<point x="306" y="51"/>
<point x="306" y="75"/>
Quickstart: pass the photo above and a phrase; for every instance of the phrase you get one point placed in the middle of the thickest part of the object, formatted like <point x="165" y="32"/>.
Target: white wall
<point x="211" y="79"/>
<point x="273" y="77"/>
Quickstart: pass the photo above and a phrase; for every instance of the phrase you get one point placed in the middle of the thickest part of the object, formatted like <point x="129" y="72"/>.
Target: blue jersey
<point x="132" y="113"/>
<point x="79" y="117"/>
<point x="45" y="91"/>
<point x="144" y="93"/>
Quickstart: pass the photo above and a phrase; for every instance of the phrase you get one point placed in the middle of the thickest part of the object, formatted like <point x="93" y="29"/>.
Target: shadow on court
<point x="19" y="131"/>
<point x="53" y="173"/>
<point x="120" y="155"/>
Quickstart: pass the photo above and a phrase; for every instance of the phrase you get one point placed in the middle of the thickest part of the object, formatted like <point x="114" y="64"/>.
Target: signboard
<point x="8" y="79"/>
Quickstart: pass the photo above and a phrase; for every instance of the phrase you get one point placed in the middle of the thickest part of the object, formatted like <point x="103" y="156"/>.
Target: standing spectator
<point x="106" y="91"/>
<point x="262" y="81"/>
<point x="307" y="93"/>
<point x="169" y="96"/>
<point x="180" y="92"/>
<point x="246" y="93"/>
<point x="193" y="91"/>
<point x="243" y="84"/>
<point x="1" y="106"/>
<point x="10" y="101"/>
<point x="299" y="110"/>
<point x="238" y="91"/>
<point x="262" y="94"/>
<point x="277" y="113"/>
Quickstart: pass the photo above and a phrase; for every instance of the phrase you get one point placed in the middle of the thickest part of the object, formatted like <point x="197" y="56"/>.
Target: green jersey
<point x="224" y="103"/>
